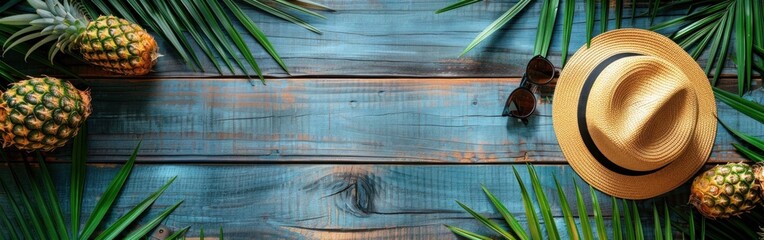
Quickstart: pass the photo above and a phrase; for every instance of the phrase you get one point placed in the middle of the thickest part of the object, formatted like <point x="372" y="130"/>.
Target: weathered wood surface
<point x="332" y="120"/>
<point x="332" y="201"/>
<point x="383" y="85"/>
<point x="404" y="39"/>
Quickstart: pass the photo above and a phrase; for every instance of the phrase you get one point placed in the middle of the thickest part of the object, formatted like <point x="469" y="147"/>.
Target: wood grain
<point x="399" y="38"/>
<point x="428" y="120"/>
<point x="332" y="201"/>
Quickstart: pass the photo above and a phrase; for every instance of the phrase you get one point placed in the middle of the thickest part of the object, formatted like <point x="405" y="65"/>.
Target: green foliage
<point x="547" y="19"/>
<point x="713" y="22"/>
<point x="34" y="200"/>
<point x="751" y="109"/>
<point x="208" y="24"/>
<point x="633" y="222"/>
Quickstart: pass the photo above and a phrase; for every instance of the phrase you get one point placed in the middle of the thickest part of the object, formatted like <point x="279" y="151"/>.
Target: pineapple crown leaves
<point x="53" y="21"/>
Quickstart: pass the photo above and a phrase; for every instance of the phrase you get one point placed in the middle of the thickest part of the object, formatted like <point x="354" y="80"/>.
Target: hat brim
<point x="566" y="127"/>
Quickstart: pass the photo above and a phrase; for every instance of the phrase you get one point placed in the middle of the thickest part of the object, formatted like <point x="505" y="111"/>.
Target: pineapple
<point x="725" y="190"/>
<point x="42" y="113"/>
<point x="758" y="174"/>
<point x="114" y="44"/>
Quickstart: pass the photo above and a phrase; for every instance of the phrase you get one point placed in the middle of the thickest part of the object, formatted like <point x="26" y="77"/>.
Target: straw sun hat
<point x="634" y="114"/>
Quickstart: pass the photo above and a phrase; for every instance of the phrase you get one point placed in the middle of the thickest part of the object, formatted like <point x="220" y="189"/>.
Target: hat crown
<point x="642" y="112"/>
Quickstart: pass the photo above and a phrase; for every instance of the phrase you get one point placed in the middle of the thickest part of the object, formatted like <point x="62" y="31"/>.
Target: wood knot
<point x="351" y="191"/>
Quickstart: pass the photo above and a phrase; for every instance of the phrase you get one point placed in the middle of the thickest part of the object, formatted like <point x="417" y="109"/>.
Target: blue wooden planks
<point x="328" y="201"/>
<point x="401" y="39"/>
<point x="329" y="120"/>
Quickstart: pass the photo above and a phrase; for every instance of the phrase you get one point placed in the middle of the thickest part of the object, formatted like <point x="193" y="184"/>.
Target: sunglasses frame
<point x="529" y="87"/>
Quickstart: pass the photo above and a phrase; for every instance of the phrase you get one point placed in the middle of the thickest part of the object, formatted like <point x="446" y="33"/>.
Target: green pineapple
<point x="114" y="44"/>
<point x="725" y="190"/>
<point x="42" y="113"/>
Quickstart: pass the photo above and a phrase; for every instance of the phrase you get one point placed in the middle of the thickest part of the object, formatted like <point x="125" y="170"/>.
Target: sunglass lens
<point x="520" y="104"/>
<point x="540" y="71"/>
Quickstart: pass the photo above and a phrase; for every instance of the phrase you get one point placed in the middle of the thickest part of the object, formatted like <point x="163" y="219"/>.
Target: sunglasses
<point x="521" y="103"/>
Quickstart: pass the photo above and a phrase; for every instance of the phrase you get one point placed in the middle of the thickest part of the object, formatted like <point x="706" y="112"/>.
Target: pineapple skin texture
<point x="118" y="46"/>
<point x="725" y="191"/>
<point x="42" y="113"/>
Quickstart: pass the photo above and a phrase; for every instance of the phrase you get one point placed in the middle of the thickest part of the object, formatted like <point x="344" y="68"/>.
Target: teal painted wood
<point x="402" y="38"/>
<point x="332" y="120"/>
<point x="331" y="201"/>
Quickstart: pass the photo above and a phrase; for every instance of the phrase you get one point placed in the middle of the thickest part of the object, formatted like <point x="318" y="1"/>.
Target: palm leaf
<point x="668" y="231"/>
<point x="52" y="199"/>
<point x="759" y="50"/>
<point x="216" y="29"/>
<point x="743" y="45"/>
<point x="33" y="214"/>
<point x="217" y="10"/>
<point x="300" y="9"/>
<point x="122" y="223"/>
<point x="217" y="41"/>
<point x="171" y="25"/>
<point x="546" y="211"/>
<point x="486" y="222"/>
<point x="632" y="221"/>
<point x="598" y="218"/>
<point x="109" y="196"/>
<point x="567" y="27"/>
<point x="153" y="223"/>
<point x="456" y="5"/>
<point x="721" y="27"/>
<point x="8" y="226"/>
<point x="618" y="13"/>
<point x="283" y="15"/>
<point x="20" y="224"/>
<point x="704" y="43"/>
<point x="567" y="214"/>
<point x="530" y="213"/>
<point x="628" y="220"/>
<point x="255" y="31"/>
<point x="582" y="214"/>
<point x="723" y="50"/>
<point x="750" y="154"/>
<point x="590" y="9"/>
<point x="178" y="234"/>
<point x="41" y="207"/>
<point x="546" y="26"/>
<point x="77" y="179"/>
<point x="633" y="11"/>
<point x="747" y="107"/>
<point x="604" y="9"/>
<point x="638" y="231"/>
<point x="716" y="18"/>
<point x="703" y="228"/>
<point x="657" y="227"/>
<point x="753" y="141"/>
<point x="500" y="22"/>
<point x="617" y="231"/>
<point x="692" y="225"/>
<point x="466" y="234"/>
<point x="511" y="221"/>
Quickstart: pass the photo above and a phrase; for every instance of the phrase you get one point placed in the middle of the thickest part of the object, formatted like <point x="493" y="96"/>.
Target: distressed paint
<point x="313" y="155"/>
<point x="401" y="38"/>
<point x="330" y="201"/>
<point x="430" y="120"/>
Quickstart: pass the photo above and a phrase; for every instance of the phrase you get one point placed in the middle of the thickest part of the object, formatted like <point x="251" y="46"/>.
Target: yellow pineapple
<point x="725" y="190"/>
<point x="112" y="43"/>
<point x="42" y="113"/>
